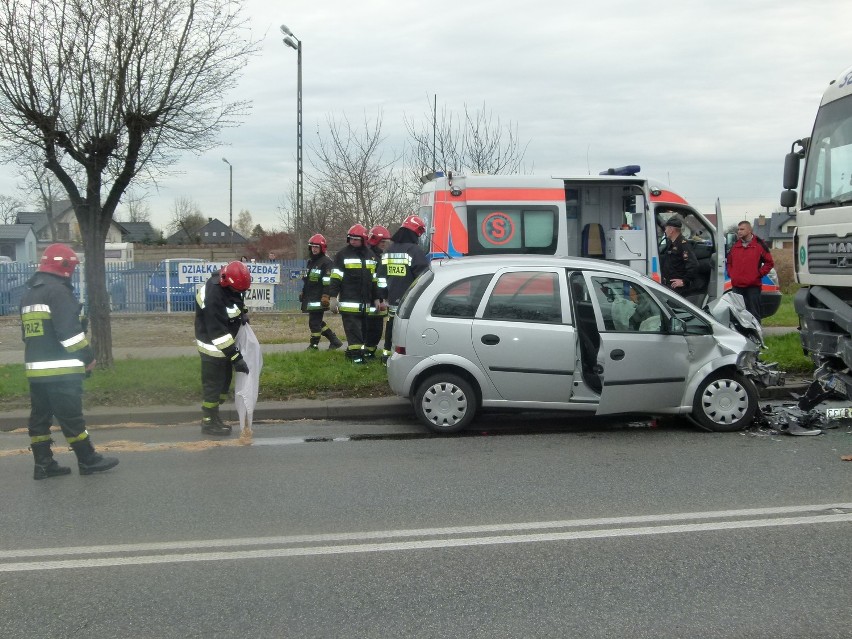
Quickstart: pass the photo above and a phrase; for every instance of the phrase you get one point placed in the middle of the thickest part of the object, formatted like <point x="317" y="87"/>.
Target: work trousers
<point x="375" y="326"/>
<point x="751" y="296"/>
<point x="317" y="325"/>
<point x="355" y="328"/>
<point x="61" y="399"/>
<point x="216" y="375"/>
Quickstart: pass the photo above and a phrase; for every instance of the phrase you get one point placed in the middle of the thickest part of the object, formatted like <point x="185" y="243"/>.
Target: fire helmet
<point x="377" y="234"/>
<point x="414" y="223"/>
<point x="318" y="240"/>
<point x="236" y="276"/>
<point x="357" y="230"/>
<point x="59" y="259"/>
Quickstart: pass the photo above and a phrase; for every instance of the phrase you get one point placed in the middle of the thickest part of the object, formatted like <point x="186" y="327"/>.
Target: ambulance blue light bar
<point x="630" y="169"/>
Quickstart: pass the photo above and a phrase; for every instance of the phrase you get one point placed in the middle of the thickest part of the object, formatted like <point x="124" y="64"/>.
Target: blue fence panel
<point x="141" y="287"/>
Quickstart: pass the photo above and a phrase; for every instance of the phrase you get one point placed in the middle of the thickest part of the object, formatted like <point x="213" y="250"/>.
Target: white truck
<point x="823" y="237"/>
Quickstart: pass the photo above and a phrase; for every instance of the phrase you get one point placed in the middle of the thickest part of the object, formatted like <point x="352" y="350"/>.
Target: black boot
<point x="212" y="424"/>
<point x="88" y="461"/>
<point x="45" y="465"/>
<point x="314" y="344"/>
<point x="334" y="341"/>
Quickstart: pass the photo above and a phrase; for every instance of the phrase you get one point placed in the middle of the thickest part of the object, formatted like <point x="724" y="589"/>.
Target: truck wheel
<point x="445" y="403"/>
<point x="725" y="402"/>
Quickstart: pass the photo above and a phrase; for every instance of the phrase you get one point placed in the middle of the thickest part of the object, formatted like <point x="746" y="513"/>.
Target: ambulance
<point x="615" y="216"/>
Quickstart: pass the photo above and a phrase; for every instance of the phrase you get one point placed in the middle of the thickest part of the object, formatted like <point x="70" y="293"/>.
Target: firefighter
<point x="219" y="312"/>
<point x="679" y="266"/>
<point x="57" y="356"/>
<point x="353" y="281"/>
<point x="402" y="262"/>
<point x="378" y="241"/>
<point x="315" y="281"/>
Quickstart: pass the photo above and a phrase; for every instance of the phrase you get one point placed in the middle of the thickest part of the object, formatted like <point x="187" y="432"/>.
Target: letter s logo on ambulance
<point x="498" y="228"/>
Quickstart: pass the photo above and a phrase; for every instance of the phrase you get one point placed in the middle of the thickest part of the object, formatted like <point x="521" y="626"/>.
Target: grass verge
<point x="177" y="381"/>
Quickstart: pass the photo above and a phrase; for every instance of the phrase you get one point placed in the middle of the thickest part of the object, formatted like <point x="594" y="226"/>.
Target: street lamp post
<point x="230" y="200"/>
<point x="294" y="43"/>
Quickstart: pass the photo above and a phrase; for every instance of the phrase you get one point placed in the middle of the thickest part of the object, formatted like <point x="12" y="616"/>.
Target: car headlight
<point x="746" y="359"/>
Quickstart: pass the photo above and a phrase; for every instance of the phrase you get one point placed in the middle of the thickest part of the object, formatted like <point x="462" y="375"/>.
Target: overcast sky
<point x="704" y="95"/>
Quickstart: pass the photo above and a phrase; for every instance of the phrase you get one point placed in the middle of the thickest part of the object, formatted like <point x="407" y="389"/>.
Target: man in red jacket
<point x="748" y="261"/>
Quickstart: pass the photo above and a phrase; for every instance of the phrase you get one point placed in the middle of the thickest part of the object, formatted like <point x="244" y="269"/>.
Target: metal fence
<point x="146" y="287"/>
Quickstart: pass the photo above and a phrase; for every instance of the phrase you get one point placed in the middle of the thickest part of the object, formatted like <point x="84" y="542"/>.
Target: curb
<point x="331" y="409"/>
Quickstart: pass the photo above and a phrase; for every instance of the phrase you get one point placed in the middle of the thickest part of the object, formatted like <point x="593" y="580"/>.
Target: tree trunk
<point x="97" y="297"/>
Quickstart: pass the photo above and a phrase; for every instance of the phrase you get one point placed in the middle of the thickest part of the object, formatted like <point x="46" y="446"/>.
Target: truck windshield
<point x="828" y="169"/>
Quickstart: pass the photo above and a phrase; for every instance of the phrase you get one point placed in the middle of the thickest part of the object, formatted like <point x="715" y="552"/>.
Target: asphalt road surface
<point x="594" y="529"/>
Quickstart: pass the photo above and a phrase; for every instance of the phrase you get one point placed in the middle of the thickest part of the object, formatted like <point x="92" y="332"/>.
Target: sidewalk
<point x="331" y="409"/>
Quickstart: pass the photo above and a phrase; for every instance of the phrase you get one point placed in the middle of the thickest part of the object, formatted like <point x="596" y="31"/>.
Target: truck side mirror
<point x="791" y="170"/>
<point x="788" y="199"/>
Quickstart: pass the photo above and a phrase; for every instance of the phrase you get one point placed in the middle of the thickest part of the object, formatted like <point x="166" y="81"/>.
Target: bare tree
<point x="186" y="218"/>
<point x="108" y="90"/>
<point x="9" y="207"/>
<point x="475" y="141"/>
<point x="39" y="183"/>
<point x="136" y="207"/>
<point x="244" y="223"/>
<point x="353" y="181"/>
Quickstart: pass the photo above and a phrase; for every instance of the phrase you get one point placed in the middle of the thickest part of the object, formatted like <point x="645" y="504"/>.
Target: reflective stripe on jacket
<point x="55" y="344"/>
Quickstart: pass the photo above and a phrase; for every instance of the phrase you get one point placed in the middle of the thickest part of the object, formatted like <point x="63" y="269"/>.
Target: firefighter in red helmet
<point x="57" y="357"/>
<point x="220" y="310"/>
<point x="353" y="291"/>
<point x="314" y="283"/>
<point x="402" y="262"/>
<point x="378" y="240"/>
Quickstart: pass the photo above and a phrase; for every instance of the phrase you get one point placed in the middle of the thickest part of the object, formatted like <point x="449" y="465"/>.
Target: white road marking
<point x="826" y="514"/>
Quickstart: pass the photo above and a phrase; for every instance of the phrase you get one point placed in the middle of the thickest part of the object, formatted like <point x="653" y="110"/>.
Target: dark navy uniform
<point x="678" y="262"/>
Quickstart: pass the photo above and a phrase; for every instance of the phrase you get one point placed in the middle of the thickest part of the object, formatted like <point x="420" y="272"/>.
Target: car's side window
<point x="526" y="296"/>
<point x="626" y="306"/>
<point x="461" y="299"/>
<point x="693" y="324"/>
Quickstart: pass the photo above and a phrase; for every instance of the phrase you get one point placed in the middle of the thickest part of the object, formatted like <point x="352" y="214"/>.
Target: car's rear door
<point x="521" y="337"/>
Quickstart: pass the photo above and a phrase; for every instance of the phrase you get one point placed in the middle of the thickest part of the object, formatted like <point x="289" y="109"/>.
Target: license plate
<point x="838" y="413"/>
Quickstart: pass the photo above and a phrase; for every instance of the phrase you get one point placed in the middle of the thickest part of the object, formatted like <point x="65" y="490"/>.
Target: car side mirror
<point x="677" y="326"/>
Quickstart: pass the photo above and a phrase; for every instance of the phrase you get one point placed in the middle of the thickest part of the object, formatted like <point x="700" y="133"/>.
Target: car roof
<point x="480" y="262"/>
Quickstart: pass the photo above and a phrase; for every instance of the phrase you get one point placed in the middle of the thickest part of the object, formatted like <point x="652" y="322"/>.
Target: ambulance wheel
<point x="445" y="403"/>
<point x="725" y="402"/>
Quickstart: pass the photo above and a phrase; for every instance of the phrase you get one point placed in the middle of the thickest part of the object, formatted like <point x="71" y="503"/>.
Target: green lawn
<point x="177" y="380"/>
<point x="786" y="315"/>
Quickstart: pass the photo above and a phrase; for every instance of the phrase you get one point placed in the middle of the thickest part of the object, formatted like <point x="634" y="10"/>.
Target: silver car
<point x="549" y="333"/>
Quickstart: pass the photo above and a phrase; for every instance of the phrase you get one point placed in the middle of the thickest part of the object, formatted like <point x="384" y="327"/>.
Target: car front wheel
<point x="725" y="402"/>
<point x="445" y="403"/>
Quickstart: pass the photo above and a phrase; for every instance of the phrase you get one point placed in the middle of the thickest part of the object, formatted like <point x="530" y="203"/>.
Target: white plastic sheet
<point x="246" y="386"/>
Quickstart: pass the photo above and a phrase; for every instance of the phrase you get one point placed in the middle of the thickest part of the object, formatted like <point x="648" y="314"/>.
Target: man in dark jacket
<point x="748" y="261"/>
<point x="353" y="281"/>
<point x="402" y="263"/>
<point x="316" y="279"/>
<point x="679" y="266"/>
<point x="219" y="312"/>
<point x="57" y="356"/>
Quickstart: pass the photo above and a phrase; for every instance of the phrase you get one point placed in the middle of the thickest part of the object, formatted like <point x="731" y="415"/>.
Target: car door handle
<point x="617" y="354"/>
<point x="490" y="340"/>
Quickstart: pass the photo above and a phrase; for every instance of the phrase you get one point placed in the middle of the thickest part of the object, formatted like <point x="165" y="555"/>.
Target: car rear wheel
<point x="445" y="403"/>
<point x="725" y="402"/>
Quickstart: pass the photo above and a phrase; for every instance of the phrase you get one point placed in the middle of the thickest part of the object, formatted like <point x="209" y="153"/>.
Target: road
<point x="545" y="528"/>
